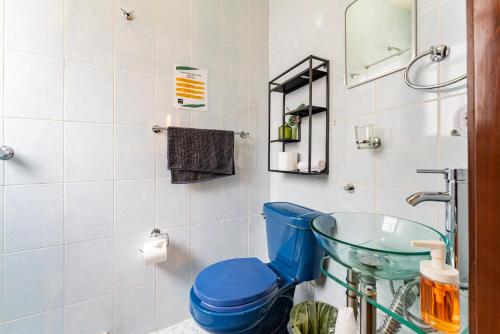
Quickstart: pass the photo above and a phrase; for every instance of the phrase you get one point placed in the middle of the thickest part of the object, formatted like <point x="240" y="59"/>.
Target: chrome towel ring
<point x="437" y="54"/>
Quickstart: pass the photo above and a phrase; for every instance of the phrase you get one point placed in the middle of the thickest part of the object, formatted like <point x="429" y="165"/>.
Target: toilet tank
<point x="292" y="247"/>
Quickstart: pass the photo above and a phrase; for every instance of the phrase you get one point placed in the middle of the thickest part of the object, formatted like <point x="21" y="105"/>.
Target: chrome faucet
<point x="457" y="226"/>
<point x="425" y="196"/>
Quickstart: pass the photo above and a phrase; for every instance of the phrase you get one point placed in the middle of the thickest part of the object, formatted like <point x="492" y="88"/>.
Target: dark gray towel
<point x="196" y="155"/>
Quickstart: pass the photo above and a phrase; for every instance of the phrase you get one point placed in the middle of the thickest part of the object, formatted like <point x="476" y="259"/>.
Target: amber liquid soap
<point x="439" y="305"/>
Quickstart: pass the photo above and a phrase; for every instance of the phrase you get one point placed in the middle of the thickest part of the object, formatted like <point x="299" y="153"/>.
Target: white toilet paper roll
<point x="155" y="251"/>
<point x="287" y="161"/>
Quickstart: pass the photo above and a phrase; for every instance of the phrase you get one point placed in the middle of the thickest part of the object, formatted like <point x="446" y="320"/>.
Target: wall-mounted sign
<point x="190" y="88"/>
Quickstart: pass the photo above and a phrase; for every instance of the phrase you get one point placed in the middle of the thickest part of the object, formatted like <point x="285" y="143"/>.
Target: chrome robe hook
<point x="128" y="14"/>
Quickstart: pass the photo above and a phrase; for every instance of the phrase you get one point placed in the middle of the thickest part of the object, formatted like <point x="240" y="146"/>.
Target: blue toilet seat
<point x="236" y="285"/>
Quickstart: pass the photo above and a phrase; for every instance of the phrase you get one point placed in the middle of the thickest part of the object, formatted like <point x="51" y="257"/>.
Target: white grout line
<point x="6" y="50"/>
<point x="3" y="165"/>
<point x="65" y="269"/>
<point x="115" y="8"/>
<point x="155" y="273"/>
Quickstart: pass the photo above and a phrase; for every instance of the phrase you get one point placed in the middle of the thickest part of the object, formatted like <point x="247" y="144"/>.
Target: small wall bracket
<point x="350" y="188"/>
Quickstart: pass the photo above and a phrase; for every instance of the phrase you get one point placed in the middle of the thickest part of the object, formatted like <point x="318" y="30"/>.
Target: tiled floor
<point x="185" y="327"/>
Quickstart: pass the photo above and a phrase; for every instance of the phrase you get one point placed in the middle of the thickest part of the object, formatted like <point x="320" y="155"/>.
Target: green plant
<point x="293" y="120"/>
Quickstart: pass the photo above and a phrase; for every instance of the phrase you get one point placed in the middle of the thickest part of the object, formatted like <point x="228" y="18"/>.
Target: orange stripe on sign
<point x="192" y="91"/>
<point x="190" y="81"/>
<point x="180" y="84"/>
<point x="189" y="96"/>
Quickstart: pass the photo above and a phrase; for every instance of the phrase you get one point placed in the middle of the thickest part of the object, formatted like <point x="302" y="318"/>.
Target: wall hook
<point x="128" y="14"/>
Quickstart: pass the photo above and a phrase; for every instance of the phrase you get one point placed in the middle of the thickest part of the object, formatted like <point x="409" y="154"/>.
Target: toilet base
<point x="276" y="320"/>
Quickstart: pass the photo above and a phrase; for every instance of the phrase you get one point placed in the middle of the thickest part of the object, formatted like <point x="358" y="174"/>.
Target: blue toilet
<point x="248" y="296"/>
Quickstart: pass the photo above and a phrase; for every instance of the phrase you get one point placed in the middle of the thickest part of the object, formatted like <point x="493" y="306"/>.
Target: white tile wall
<point x="35" y="26"/>
<point x="135" y="310"/>
<point x="41" y="225"/>
<point x="206" y="18"/>
<point x="134" y="206"/>
<point x="176" y="268"/>
<point x="176" y="14"/>
<point x="135" y="91"/>
<point x="168" y="56"/>
<point x="81" y="89"/>
<point x="172" y="302"/>
<point x="257" y="243"/>
<point x="130" y="270"/>
<point x="51" y="322"/>
<point x="135" y="43"/>
<point x="89" y="31"/>
<point x="100" y="310"/>
<point x="235" y="238"/>
<point x="88" y="93"/>
<point x="206" y="245"/>
<point x="36" y="278"/>
<point x="33" y="86"/>
<point x="39" y="151"/>
<point x="88" y="152"/>
<point x="234" y="197"/>
<point x="414" y="126"/>
<point x="173" y="204"/>
<point x="89" y="270"/>
<point x="134" y="153"/>
<point x="206" y="202"/>
<point x="82" y="224"/>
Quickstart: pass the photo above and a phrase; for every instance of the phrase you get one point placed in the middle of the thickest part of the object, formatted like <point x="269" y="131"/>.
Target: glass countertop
<point x="385" y="298"/>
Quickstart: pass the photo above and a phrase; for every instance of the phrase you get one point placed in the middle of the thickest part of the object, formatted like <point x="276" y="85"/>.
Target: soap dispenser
<point x="439" y="289"/>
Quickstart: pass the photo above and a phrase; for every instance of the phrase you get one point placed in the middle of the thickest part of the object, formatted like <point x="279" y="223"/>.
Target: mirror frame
<point x="383" y="74"/>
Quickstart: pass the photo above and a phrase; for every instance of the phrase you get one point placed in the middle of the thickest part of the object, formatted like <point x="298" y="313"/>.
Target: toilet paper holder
<point x="155" y="233"/>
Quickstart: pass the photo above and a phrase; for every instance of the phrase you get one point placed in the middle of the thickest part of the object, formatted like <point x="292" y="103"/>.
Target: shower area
<point x="83" y="84"/>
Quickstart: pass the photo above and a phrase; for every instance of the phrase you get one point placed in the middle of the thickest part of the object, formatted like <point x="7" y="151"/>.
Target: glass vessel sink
<point x="374" y="245"/>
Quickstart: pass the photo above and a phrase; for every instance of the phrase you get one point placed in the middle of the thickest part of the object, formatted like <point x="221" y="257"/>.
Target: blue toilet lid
<point x="234" y="282"/>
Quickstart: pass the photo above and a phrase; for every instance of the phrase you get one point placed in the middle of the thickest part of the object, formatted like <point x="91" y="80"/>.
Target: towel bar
<point x="242" y="134"/>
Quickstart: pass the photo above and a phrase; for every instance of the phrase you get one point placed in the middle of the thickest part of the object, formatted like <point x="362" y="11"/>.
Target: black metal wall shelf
<point x="298" y="172"/>
<point x="298" y="81"/>
<point x="317" y="68"/>
<point x="304" y="111"/>
<point x="285" y="141"/>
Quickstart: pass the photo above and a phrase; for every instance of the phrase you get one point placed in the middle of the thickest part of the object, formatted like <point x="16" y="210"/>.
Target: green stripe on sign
<point x="186" y="68"/>
<point x="193" y="105"/>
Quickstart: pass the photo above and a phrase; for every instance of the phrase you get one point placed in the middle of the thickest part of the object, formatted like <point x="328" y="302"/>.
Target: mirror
<point x="380" y="38"/>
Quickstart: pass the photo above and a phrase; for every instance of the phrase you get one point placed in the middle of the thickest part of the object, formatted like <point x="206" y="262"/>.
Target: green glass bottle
<point x="295" y="132"/>
<point x="285" y="132"/>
